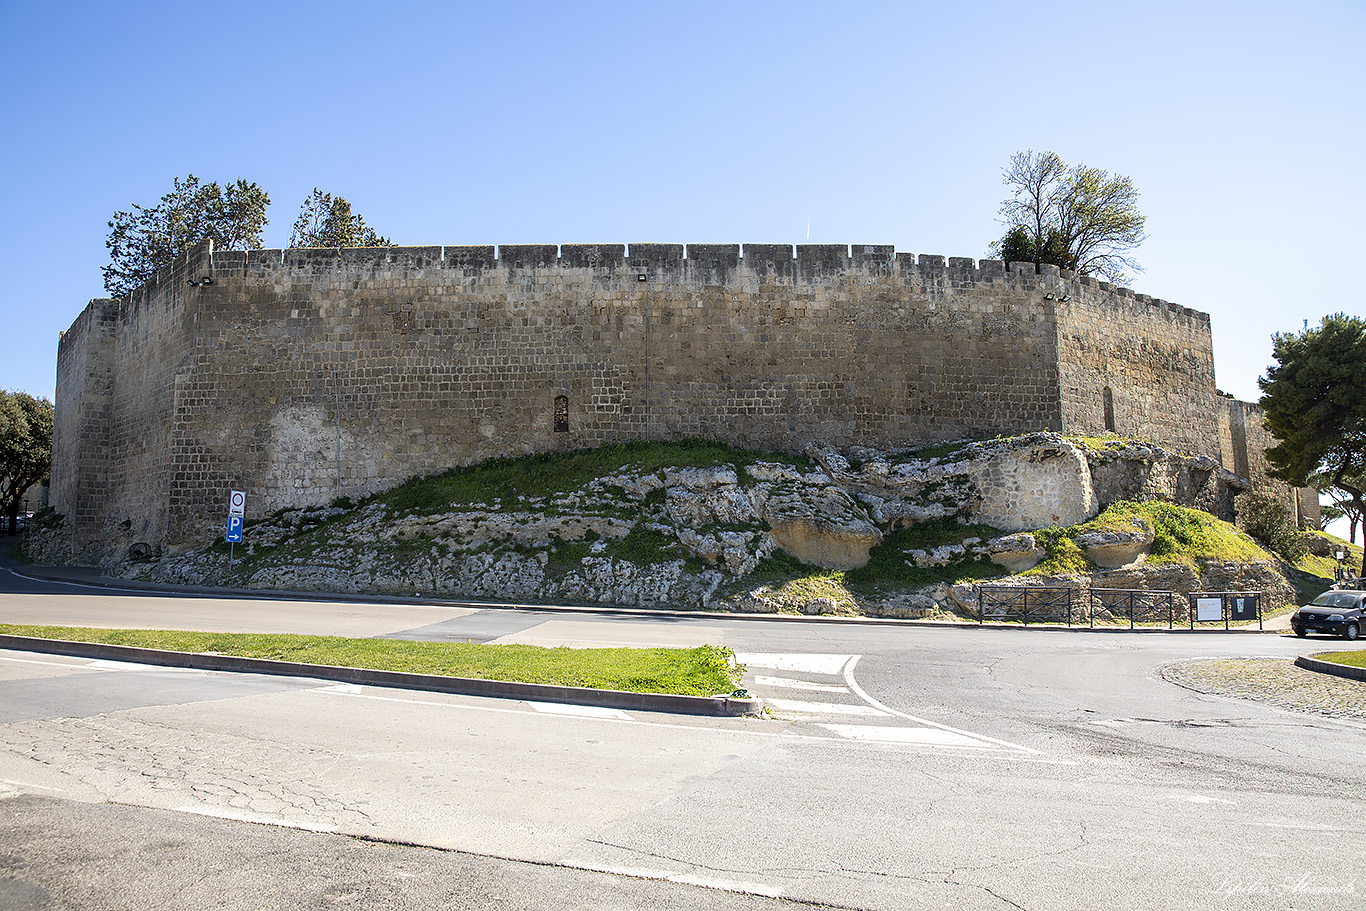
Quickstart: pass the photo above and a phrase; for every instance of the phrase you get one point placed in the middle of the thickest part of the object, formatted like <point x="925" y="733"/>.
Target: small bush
<point x="1270" y="524"/>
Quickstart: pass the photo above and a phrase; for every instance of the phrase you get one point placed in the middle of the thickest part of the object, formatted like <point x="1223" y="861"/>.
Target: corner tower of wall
<point x="1134" y="365"/>
<point x="81" y="428"/>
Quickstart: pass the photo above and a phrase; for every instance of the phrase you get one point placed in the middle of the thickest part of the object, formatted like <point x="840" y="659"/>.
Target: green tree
<point x="1272" y="525"/>
<point x="327" y="221"/>
<point x="143" y="240"/>
<point x="1315" y="401"/>
<point x="1343" y="506"/>
<point x="25" y="448"/>
<point x="1082" y="218"/>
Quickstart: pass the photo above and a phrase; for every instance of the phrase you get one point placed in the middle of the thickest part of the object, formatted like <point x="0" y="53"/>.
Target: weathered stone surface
<point x="842" y="546"/>
<point x="1034" y="481"/>
<point x="1113" y="548"/>
<point x="1016" y="553"/>
<point x="1128" y="470"/>
<point x="817" y="523"/>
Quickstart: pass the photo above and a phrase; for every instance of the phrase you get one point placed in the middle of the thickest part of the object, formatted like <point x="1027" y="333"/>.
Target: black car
<point x="1337" y="613"/>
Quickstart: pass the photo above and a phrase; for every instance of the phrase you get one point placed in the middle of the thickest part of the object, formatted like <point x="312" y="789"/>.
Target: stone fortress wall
<point x="307" y="374"/>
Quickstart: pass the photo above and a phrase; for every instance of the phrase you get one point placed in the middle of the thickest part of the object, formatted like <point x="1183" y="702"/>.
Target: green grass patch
<point x="1326" y="567"/>
<point x="1063" y="556"/>
<point x="888" y="566"/>
<point x="1180" y="535"/>
<point x="702" y="671"/>
<point x="1349" y="659"/>
<point x="790" y="596"/>
<point x="546" y="474"/>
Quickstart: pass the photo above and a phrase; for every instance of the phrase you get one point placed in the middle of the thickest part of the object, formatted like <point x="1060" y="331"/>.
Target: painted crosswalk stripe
<point x="823" y="708"/>
<point x="917" y="736"/>
<point x="790" y="684"/>
<point x="810" y="664"/>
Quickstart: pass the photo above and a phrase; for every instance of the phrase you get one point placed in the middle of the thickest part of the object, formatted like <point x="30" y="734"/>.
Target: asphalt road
<point x="905" y="767"/>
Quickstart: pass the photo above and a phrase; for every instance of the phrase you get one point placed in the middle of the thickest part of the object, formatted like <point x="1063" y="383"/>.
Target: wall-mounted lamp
<point x="1065" y="298"/>
<point x="206" y="280"/>
<point x="1048" y="296"/>
<point x="642" y="277"/>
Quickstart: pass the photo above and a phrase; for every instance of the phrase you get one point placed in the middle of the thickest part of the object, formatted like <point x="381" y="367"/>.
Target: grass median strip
<point x="702" y="671"/>
<point x="1350" y="659"/>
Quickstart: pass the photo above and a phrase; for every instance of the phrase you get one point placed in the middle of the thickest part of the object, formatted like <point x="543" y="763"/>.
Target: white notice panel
<point x="237" y="502"/>
<point x="1209" y="609"/>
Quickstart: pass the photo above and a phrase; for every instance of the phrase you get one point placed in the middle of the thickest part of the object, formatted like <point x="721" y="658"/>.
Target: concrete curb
<point x="723" y="706"/>
<point x="1328" y="667"/>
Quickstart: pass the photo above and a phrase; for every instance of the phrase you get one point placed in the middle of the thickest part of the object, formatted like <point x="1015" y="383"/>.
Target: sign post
<point x="237" y="504"/>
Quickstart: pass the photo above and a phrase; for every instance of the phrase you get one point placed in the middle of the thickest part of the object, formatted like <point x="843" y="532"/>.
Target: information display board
<point x="1209" y="609"/>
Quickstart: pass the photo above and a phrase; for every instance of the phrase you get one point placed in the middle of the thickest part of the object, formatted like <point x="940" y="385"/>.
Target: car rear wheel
<point x="1351" y="632"/>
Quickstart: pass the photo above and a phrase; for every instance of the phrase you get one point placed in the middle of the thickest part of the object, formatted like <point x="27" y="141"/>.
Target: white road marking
<point x="728" y="885"/>
<point x="1302" y="827"/>
<point x="74" y="667"/>
<point x="920" y="736"/>
<point x="822" y="708"/>
<point x="786" y="734"/>
<point x="767" y="890"/>
<point x="790" y="684"/>
<point x="1199" y="798"/>
<point x="24" y="784"/>
<point x="581" y="711"/>
<point x="239" y="816"/>
<point x="810" y="664"/>
<point x="853" y="685"/>
<point x="108" y="665"/>
<point x="350" y="689"/>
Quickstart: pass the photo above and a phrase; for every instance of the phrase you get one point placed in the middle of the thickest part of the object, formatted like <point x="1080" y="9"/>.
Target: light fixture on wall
<point x="1048" y="296"/>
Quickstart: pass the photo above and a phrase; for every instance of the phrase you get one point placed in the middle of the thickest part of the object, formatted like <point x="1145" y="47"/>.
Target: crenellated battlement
<point x="707" y="264"/>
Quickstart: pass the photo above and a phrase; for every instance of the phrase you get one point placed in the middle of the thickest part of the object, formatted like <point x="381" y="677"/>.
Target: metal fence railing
<point x="1076" y="606"/>
<point x="1019" y="604"/>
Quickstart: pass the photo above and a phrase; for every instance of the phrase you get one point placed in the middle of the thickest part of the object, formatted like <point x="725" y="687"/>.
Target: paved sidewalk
<point x="1273" y="681"/>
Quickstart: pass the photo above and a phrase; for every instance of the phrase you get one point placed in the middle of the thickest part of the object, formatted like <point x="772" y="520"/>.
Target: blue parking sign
<point x="234" y="530"/>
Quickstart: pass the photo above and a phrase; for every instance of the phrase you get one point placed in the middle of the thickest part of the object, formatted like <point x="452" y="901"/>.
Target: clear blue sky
<point x="458" y="123"/>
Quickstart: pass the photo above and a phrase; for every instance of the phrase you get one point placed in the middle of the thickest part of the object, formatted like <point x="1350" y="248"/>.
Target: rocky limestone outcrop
<point x="812" y="517"/>
<point x="1016" y="553"/>
<point x="1129" y="470"/>
<point x="1112" y="548"/>
<point x="690" y="536"/>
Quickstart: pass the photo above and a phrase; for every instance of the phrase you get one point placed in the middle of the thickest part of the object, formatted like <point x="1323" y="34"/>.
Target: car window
<point x="1336" y="599"/>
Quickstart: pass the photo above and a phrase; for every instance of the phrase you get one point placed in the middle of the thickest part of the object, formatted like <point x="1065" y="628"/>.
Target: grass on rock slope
<point x="536" y="483"/>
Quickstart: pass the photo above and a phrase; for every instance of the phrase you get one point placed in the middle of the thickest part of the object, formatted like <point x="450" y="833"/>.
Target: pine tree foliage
<point x="327" y="221"/>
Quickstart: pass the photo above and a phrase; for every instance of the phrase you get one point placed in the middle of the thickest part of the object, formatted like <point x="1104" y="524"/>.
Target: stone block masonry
<point x="303" y="375"/>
